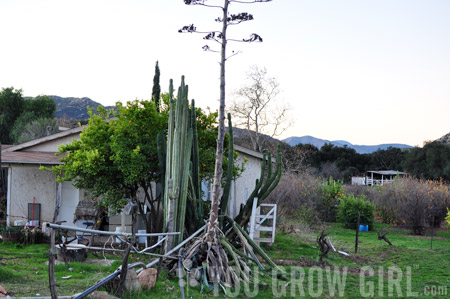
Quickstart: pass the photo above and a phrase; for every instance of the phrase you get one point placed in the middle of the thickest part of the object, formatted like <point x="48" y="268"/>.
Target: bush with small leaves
<point x="448" y="218"/>
<point x="332" y="193"/>
<point x="349" y="209"/>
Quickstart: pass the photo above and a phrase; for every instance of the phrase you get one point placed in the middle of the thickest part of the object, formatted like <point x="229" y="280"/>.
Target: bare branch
<point x="257" y="110"/>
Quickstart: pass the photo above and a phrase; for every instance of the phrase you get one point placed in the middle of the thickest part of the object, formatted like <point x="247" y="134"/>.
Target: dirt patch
<point x="102" y="262"/>
<point x="303" y="262"/>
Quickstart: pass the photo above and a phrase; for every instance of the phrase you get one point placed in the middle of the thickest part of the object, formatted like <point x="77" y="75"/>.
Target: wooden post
<point x="357" y="233"/>
<point x="124" y="271"/>
<point x="431" y="240"/>
<point x="51" y="265"/>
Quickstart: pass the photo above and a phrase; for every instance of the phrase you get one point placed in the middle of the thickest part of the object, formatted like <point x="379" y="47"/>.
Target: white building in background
<point x="377" y="177"/>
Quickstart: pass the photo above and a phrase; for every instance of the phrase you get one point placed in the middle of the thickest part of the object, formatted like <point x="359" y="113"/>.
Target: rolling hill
<point x="361" y="149"/>
<point x="75" y="108"/>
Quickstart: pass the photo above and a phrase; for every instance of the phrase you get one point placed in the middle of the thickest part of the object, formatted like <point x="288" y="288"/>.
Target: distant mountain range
<point x="361" y="149"/>
<point x="74" y="107"/>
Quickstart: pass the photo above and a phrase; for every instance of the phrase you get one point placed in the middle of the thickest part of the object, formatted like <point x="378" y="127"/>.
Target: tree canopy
<point x="17" y="115"/>
<point x="11" y="106"/>
<point x="432" y="161"/>
<point x="117" y="151"/>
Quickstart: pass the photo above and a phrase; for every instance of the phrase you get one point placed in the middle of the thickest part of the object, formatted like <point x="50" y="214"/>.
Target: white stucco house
<point x="26" y="184"/>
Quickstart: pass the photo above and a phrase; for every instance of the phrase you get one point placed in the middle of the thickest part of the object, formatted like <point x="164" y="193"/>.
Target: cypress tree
<point x="156" y="92"/>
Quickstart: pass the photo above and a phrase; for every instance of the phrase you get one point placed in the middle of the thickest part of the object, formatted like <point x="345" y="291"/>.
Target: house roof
<point x="41" y="140"/>
<point x="386" y="172"/>
<point x="19" y="154"/>
<point x="5" y="146"/>
<point x="31" y="158"/>
<point x="244" y="150"/>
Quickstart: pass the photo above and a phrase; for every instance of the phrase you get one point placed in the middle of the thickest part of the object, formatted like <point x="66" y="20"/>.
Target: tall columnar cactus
<point x="178" y="159"/>
<point x="195" y="203"/>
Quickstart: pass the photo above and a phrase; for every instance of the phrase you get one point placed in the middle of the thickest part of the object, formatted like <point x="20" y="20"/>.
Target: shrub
<point x="349" y="209"/>
<point x="296" y="196"/>
<point x="414" y="203"/>
<point x="332" y="192"/>
<point x="448" y="218"/>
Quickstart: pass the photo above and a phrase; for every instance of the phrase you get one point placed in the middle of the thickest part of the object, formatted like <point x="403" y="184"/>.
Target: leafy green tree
<point x="312" y="154"/>
<point x="40" y="107"/>
<point x="38" y="128"/>
<point x="24" y="119"/>
<point x="117" y="155"/>
<point x="11" y="106"/>
<point x="389" y="159"/>
<point x="347" y="160"/>
<point x="430" y="162"/>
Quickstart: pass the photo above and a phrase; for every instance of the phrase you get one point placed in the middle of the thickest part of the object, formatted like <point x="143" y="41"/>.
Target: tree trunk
<point x="215" y="200"/>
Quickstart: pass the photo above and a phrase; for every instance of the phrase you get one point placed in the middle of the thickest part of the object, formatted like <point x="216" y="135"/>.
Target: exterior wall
<point x="26" y="182"/>
<point x="116" y="221"/>
<point x="52" y="145"/>
<point x="70" y="197"/>
<point x="244" y="185"/>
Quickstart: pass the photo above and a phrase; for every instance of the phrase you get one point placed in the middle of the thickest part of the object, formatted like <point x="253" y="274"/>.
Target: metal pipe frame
<point x="105" y="280"/>
<point x="151" y="264"/>
<point x="117" y="272"/>
<point x="101" y="232"/>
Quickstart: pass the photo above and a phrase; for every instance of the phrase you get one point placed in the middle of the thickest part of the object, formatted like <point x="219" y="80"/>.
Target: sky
<point x="368" y="72"/>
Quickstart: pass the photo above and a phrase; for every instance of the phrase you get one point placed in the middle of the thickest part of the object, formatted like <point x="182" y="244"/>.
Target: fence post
<point x="357" y="232"/>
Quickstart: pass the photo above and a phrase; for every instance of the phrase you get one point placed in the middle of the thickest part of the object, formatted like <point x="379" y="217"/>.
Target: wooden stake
<point x="357" y="233"/>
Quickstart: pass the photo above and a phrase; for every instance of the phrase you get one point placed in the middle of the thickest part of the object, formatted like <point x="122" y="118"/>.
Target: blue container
<point x="363" y="228"/>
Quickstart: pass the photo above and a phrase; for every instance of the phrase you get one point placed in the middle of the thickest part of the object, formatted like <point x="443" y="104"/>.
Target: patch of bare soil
<point x="102" y="262"/>
<point x="299" y="263"/>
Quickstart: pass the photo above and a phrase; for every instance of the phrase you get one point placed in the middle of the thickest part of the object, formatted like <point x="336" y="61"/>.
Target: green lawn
<point x="23" y="271"/>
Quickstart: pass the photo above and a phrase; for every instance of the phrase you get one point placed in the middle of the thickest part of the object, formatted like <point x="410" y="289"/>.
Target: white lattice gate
<point x="263" y="219"/>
